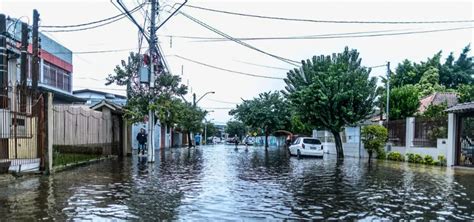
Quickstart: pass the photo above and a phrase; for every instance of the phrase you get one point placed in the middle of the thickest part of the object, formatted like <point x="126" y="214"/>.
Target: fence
<point x="22" y="130"/>
<point x="396" y="132"/>
<point x="427" y="131"/>
<point x="81" y="134"/>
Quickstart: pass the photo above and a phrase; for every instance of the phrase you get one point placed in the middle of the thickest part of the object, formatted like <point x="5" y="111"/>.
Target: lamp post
<point x="194" y="97"/>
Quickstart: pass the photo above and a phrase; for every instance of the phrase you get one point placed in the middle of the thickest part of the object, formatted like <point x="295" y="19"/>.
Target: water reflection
<point x="219" y="182"/>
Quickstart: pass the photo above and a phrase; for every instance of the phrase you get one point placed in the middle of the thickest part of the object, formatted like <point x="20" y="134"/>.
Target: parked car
<point x="306" y="146"/>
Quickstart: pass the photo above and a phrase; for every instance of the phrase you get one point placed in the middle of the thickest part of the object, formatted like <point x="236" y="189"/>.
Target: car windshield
<point x="311" y="141"/>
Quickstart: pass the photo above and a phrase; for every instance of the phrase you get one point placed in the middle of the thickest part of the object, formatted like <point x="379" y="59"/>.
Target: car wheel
<point x="298" y="153"/>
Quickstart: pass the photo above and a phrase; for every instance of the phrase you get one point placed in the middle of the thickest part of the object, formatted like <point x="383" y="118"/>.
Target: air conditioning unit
<point x="5" y="123"/>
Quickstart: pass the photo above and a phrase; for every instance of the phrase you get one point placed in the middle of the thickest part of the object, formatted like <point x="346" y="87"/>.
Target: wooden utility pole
<point x="23" y="66"/>
<point x="35" y="44"/>
<point x="3" y="63"/>
<point x="3" y="82"/>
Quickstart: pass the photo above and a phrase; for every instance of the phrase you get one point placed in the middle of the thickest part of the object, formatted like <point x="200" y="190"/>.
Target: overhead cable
<point x="289" y="61"/>
<point x="328" y="21"/>
<point x="115" y="19"/>
<point x="227" y="70"/>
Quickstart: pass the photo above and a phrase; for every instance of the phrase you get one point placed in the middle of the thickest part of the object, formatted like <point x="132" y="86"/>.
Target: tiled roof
<point x="436" y="99"/>
<point x="462" y="108"/>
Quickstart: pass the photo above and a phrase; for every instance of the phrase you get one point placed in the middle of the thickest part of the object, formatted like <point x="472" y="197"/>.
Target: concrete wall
<point x="136" y="129"/>
<point x="350" y="149"/>
<point x="440" y="149"/>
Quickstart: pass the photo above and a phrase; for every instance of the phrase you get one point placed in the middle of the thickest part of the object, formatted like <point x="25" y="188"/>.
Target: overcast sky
<point x="89" y="69"/>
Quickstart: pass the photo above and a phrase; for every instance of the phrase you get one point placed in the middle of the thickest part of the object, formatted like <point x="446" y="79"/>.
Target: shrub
<point x="395" y="156"/>
<point x="381" y="154"/>
<point x="428" y="160"/>
<point x="418" y="158"/>
<point x="441" y="160"/>
<point x="374" y="138"/>
<point x="411" y="157"/>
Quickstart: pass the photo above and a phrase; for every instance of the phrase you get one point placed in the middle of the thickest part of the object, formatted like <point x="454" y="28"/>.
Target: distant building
<point x="93" y="97"/>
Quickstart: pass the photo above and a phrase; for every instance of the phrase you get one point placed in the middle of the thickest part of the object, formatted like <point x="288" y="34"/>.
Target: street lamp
<point x="194" y="97"/>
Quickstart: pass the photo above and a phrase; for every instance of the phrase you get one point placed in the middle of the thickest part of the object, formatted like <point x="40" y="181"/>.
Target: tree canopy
<point x="404" y="102"/>
<point x="451" y="74"/>
<point x="165" y="95"/>
<point x="235" y="128"/>
<point x="267" y="112"/>
<point x="332" y="92"/>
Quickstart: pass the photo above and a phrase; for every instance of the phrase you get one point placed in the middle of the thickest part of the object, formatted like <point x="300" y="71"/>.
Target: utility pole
<point x="388" y="91"/>
<point x="35" y="45"/>
<point x="194" y="99"/>
<point x="3" y="63"/>
<point x="23" y="65"/>
<point x="153" y="58"/>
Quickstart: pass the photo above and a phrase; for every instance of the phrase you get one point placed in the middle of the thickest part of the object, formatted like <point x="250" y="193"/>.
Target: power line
<point x="218" y="108"/>
<point x="96" y="51"/>
<point x="227" y="70"/>
<point x="327" y="21"/>
<point x="265" y="66"/>
<point x="289" y="61"/>
<point x="220" y="101"/>
<point x="88" y="23"/>
<point x="329" y="36"/>
<point x="109" y="21"/>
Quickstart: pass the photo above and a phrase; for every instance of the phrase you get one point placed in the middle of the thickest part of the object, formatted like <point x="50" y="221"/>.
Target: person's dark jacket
<point x="141" y="137"/>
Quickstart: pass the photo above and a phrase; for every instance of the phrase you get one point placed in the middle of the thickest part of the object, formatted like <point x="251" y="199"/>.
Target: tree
<point x="189" y="118"/>
<point x="429" y="82"/>
<point x="466" y="93"/>
<point x="404" y="102"/>
<point x="211" y="129"/>
<point x="332" y="92"/>
<point x="235" y="128"/>
<point x="165" y="94"/>
<point x="268" y="111"/>
<point x="454" y="73"/>
<point x="374" y="138"/>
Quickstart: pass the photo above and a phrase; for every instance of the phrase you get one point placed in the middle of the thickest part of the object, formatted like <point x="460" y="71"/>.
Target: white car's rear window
<point x="311" y="141"/>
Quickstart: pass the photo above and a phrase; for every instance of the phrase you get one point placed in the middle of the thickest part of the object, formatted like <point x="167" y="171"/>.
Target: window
<point x="312" y="141"/>
<point x="56" y="77"/>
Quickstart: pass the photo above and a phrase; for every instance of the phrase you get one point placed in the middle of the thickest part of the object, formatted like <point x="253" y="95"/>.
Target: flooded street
<point x="218" y="182"/>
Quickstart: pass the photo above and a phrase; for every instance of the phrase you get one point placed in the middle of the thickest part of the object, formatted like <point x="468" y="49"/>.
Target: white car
<point x="306" y="146"/>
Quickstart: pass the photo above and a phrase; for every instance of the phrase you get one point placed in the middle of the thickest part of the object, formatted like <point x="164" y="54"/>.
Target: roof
<point x="437" y="98"/>
<point x="111" y="105"/>
<point x="98" y="92"/>
<point x="462" y="108"/>
<point x="62" y="96"/>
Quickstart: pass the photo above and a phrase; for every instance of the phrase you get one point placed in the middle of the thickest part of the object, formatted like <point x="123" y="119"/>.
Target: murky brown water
<point x="217" y="182"/>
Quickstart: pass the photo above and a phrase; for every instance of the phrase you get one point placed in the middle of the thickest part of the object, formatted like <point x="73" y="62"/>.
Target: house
<point x="94" y="96"/>
<point x="56" y="68"/>
<point x="438" y="98"/>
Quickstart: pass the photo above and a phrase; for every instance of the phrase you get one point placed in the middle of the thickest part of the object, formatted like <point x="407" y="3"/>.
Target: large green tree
<point x="268" y="112"/>
<point x="332" y="92"/>
<point x="466" y="93"/>
<point x="404" y="102"/>
<point x="165" y="96"/>
<point x="451" y="74"/>
<point x="189" y="118"/>
<point x="234" y="127"/>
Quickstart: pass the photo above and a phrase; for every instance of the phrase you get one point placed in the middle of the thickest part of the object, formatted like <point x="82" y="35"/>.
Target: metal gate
<point x="22" y="130"/>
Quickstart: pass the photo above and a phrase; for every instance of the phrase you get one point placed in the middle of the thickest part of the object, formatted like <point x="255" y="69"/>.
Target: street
<point x="218" y="182"/>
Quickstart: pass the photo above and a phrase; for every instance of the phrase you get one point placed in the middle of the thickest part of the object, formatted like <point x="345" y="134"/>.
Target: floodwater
<point x="220" y="183"/>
